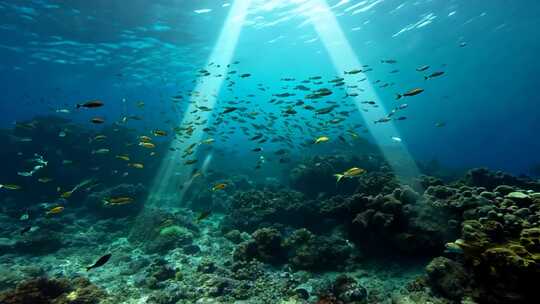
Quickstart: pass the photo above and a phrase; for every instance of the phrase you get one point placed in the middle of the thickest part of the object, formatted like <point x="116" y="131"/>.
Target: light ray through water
<point x="173" y="173"/>
<point x="344" y="58"/>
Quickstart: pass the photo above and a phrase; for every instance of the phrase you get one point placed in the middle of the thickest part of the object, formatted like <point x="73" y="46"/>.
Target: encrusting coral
<point x="54" y="291"/>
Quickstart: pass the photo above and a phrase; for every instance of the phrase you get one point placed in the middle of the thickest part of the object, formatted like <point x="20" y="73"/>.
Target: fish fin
<point x="398" y="96"/>
<point x="338" y="177"/>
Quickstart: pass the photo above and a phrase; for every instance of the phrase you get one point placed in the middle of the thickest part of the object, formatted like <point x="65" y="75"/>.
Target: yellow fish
<point x="352" y="172"/>
<point x="159" y="133"/>
<point x="79" y="186"/>
<point x="145" y="138"/>
<point x="118" y="201"/>
<point x="196" y="174"/>
<point x="190" y="162"/>
<point x="147" y="145"/>
<point x="321" y="139"/>
<point x="219" y="187"/>
<point x="136" y="165"/>
<point x="123" y="157"/>
<point x="100" y="137"/>
<point x="44" y="180"/>
<point x="66" y="194"/>
<point x="55" y="210"/>
<point x="10" y="187"/>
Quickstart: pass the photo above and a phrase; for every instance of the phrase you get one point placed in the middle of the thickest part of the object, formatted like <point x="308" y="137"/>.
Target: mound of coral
<point x="54" y="291"/>
<point x="300" y="250"/>
<point x="500" y="244"/>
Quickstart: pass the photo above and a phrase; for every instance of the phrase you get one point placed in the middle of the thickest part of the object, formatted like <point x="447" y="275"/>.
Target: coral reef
<point x="373" y="183"/>
<point x="310" y="252"/>
<point x="344" y="289"/>
<point x="402" y="221"/>
<point x="158" y="231"/>
<point x="448" y="278"/>
<point x="250" y="210"/>
<point x="265" y="246"/>
<point x="499" y="242"/>
<point x="301" y="249"/>
<point x="482" y="177"/>
<point x="363" y="240"/>
<point x="54" y="291"/>
<point x="158" y="272"/>
<point x="315" y="177"/>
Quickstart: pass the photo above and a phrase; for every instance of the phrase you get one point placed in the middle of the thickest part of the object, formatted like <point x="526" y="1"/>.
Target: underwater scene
<point x="269" y="152"/>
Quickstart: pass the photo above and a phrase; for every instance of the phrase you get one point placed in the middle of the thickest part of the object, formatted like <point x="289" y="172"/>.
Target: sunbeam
<point x="344" y="58"/>
<point x="172" y="174"/>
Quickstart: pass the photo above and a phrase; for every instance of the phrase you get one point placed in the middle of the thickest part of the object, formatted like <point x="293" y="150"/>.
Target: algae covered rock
<point x="54" y="291"/>
<point x="530" y="239"/>
<point x="265" y="246"/>
<point x="503" y="265"/>
<point x="403" y="222"/>
<point x="374" y="183"/>
<point x="301" y="249"/>
<point x="482" y="177"/>
<point x="344" y="289"/>
<point x="448" y="278"/>
<point x="520" y="198"/>
<point x="250" y="210"/>
<point x="158" y="272"/>
<point x="169" y="238"/>
<point x="158" y="231"/>
<point x="308" y="251"/>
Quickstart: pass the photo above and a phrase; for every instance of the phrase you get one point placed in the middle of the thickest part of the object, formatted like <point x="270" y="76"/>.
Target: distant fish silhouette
<point x="102" y="260"/>
<point x="26" y="229"/>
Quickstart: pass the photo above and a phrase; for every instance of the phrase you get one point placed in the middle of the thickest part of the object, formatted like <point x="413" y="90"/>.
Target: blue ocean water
<point x="269" y="151"/>
<point x="56" y="54"/>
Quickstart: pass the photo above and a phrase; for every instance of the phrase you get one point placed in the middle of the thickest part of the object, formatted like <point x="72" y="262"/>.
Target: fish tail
<point x="78" y="106"/>
<point x="338" y="177"/>
<point x="88" y="268"/>
<point x="426" y="77"/>
<point x="398" y="96"/>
